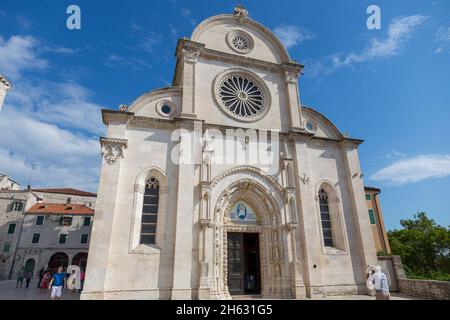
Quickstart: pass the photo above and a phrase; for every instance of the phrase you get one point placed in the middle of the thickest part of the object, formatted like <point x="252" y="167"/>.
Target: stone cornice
<point x="116" y="116"/>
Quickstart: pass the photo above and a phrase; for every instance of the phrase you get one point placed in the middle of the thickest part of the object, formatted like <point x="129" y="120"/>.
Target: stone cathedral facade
<point x="189" y="208"/>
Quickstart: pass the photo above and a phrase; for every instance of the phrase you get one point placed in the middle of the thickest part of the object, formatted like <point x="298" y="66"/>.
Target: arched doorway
<point x="59" y="259"/>
<point x="80" y="259"/>
<point x="29" y="266"/>
<point x="260" y="238"/>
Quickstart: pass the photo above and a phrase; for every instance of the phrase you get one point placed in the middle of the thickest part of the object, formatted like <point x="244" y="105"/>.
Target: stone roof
<point x="69" y="191"/>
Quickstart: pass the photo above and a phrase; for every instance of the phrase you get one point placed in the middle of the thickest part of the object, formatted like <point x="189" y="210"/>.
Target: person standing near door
<point x="28" y="276"/>
<point x="20" y="276"/>
<point x="41" y="275"/>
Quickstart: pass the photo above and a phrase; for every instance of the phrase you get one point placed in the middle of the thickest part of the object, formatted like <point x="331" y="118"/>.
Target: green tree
<point x="424" y="247"/>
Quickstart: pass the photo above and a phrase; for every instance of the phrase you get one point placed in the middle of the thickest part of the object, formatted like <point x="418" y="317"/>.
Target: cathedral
<point x="224" y="184"/>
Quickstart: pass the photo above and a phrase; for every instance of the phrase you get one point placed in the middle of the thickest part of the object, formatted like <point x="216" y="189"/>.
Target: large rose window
<point x="242" y="96"/>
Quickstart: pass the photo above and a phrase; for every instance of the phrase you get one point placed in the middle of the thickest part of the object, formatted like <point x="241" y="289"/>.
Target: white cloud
<point x="442" y="38"/>
<point x="61" y="157"/>
<point x="53" y="125"/>
<point x="414" y="169"/>
<point x="399" y="31"/>
<point x="291" y="36"/>
<point x="148" y="40"/>
<point x="136" y="27"/>
<point x="20" y="53"/>
<point x="24" y="22"/>
<point x="185" y="12"/>
<point x="134" y="64"/>
<point x="65" y="104"/>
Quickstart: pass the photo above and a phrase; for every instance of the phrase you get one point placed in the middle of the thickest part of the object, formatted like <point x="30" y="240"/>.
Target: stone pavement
<point x="8" y="291"/>
<point x="394" y="296"/>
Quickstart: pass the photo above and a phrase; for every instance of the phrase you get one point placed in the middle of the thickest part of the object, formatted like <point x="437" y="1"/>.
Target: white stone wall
<point x="189" y="258"/>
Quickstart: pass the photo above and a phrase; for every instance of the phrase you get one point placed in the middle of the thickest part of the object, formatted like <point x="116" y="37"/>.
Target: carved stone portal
<point x="275" y="267"/>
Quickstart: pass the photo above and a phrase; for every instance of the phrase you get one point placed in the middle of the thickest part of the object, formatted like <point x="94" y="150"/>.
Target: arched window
<point x="150" y="211"/>
<point x="325" y="218"/>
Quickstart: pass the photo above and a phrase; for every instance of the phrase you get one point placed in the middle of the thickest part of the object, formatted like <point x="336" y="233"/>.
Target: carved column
<point x="292" y="73"/>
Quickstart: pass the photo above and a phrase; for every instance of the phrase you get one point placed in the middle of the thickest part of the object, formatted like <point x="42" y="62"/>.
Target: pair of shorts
<point x="56" y="292"/>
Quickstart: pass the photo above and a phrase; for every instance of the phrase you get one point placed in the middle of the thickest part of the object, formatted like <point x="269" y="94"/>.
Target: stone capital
<point x="113" y="149"/>
<point x="291" y="71"/>
<point x="189" y="51"/>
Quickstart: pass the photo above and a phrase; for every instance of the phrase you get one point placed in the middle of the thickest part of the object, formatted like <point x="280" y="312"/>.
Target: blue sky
<point x="389" y="87"/>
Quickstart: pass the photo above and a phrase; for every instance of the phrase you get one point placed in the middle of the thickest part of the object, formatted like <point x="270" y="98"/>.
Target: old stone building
<point x="13" y="204"/>
<point x="44" y="228"/>
<point x="380" y="237"/>
<point x="6" y="183"/>
<point x="225" y="184"/>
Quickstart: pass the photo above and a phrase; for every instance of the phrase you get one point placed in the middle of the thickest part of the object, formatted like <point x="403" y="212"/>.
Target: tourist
<point x="74" y="279"/>
<point x="73" y="282"/>
<point x="28" y="276"/>
<point x="45" y="280"/>
<point x="82" y="275"/>
<point x="370" y="286"/>
<point x="41" y="275"/>
<point x="20" y="276"/>
<point x="57" y="283"/>
<point x="379" y="279"/>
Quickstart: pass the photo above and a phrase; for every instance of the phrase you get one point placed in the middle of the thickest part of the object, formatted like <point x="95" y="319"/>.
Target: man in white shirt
<point x="379" y="279"/>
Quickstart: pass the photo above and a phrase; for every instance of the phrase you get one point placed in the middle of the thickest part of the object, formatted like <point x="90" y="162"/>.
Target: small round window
<point x="166" y="109"/>
<point x="311" y="126"/>
<point x="240" y="41"/>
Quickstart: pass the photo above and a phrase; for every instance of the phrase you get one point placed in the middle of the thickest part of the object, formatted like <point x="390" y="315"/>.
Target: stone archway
<point x="273" y="244"/>
<point x="80" y="259"/>
<point x="30" y="265"/>
<point x="59" y="259"/>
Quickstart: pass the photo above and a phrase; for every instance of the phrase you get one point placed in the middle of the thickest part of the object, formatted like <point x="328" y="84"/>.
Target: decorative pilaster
<point x="359" y="205"/>
<point x="183" y="257"/>
<point x="308" y="222"/>
<point x="113" y="149"/>
<point x="292" y="73"/>
<point x="206" y="225"/>
<point x="296" y="272"/>
<point x="189" y="52"/>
